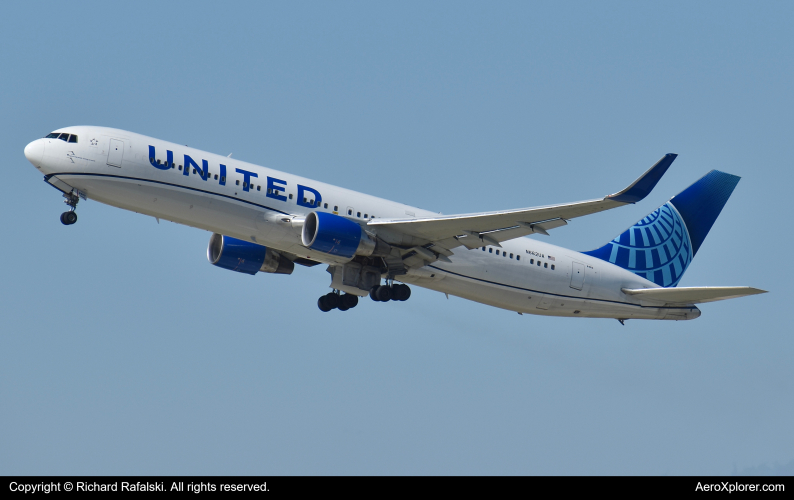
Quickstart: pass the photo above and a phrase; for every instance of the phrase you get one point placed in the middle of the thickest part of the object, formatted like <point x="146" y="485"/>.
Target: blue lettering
<point x="246" y="177"/>
<point x="304" y="201"/>
<point x="272" y="187"/>
<point x="203" y="172"/>
<point x="161" y="166"/>
<point x="223" y="175"/>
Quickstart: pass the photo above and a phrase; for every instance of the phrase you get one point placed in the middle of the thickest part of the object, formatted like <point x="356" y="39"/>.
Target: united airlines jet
<point x="264" y="220"/>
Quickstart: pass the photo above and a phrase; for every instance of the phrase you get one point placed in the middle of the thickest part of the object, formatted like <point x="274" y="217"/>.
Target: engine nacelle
<point x="335" y="235"/>
<point x="245" y="257"/>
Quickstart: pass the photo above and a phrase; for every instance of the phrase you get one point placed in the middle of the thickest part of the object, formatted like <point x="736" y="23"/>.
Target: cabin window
<point x="180" y="167"/>
<point x="304" y="199"/>
<point x="336" y="208"/>
<point x="511" y="256"/>
<point x="158" y="162"/>
<point x="483" y="249"/>
<point x="151" y="160"/>
<point x="53" y="135"/>
<point x="552" y="267"/>
<point x="72" y="138"/>
<point x="223" y="177"/>
<point x="546" y="265"/>
<point x="497" y="252"/>
<point x="311" y="202"/>
<point x="238" y="182"/>
<point x="245" y="184"/>
<point x="325" y="205"/>
<point x="365" y="216"/>
<point x="194" y="171"/>
<point x="216" y="177"/>
<point x="259" y="188"/>
<point x="349" y="211"/>
<point x="173" y="166"/>
<point x="538" y="263"/>
<point x="358" y="214"/>
<point x="518" y="257"/>
<point x="504" y="254"/>
<point x="531" y="261"/>
<point x="490" y="250"/>
<point x="290" y="196"/>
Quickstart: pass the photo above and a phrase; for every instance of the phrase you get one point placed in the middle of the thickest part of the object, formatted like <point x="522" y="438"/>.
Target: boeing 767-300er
<point x="266" y="220"/>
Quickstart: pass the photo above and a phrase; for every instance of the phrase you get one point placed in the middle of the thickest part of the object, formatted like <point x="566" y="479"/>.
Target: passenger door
<point x="577" y="275"/>
<point x="115" y="153"/>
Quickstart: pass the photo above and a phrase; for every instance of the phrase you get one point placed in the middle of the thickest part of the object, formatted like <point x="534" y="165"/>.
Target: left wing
<point x="691" y="295"/>
<point x="489" y="228"/>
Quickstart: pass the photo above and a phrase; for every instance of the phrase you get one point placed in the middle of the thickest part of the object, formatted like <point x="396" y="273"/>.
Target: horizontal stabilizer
<point x="691" y="295"/>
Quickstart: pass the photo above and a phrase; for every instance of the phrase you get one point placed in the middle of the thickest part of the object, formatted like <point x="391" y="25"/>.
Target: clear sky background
<point x="123" y="351"/>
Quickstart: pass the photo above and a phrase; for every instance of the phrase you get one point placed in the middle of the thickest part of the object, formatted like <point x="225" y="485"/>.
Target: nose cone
<point x="34" y="151"/>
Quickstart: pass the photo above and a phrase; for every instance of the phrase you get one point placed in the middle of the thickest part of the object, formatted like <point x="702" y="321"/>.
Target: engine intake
<point x="335" y="235"/>
<point x="246" y="257"/>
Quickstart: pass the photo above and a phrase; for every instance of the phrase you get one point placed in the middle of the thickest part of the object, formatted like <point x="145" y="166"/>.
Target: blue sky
<point x="124" y="352"/>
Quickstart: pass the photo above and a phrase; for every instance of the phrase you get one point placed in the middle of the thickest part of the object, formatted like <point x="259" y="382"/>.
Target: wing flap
<point x="691" y="295"/>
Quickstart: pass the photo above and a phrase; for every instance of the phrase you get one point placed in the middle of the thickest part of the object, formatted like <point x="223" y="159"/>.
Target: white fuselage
<point x="113" y="166"/>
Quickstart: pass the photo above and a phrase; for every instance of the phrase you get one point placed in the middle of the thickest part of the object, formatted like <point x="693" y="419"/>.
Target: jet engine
<point x="335" y="235"/>
<point x="245" y="257"/>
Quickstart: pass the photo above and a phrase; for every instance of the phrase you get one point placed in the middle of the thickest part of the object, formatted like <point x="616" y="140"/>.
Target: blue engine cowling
<point x="246" y="257"/>
<point x="335" y="235"/>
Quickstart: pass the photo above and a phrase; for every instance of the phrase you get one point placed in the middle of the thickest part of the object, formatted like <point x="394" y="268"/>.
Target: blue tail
<point x="662" y="245"/>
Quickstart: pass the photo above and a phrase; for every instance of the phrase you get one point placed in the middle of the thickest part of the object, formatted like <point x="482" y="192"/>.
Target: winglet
<point x="640" y="188"/>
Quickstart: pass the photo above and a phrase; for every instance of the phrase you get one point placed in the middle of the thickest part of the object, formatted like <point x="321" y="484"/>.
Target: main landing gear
<point x="343" y="302"/>
<point x="385" y="293"/>
<point x="70" y="217"/>
<point x="336" y="300"/>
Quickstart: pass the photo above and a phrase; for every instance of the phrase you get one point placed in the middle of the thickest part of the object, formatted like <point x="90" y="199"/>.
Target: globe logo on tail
<point x="656" y="248"/>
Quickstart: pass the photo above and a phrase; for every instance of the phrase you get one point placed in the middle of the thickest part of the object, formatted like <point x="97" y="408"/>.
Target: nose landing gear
<point x="70" y="217"/>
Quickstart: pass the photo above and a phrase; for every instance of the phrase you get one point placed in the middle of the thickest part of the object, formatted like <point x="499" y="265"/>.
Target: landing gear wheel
<point x="348" y="300"/>
<point x="401" y="292"/>
<point x="332" y="300"/>
<point x="383" y="293"/>
<point x="322" y="303"/>
<point x="68" y="218"/>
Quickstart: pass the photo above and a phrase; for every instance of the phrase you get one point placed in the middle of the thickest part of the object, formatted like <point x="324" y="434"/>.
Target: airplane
<point x="263" y="220"/>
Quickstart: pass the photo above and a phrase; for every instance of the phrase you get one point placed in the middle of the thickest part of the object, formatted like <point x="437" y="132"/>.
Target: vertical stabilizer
<point x="661" y="246"/>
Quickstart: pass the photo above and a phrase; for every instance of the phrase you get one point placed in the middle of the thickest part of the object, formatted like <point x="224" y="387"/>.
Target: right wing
<point x="489" y="228"/>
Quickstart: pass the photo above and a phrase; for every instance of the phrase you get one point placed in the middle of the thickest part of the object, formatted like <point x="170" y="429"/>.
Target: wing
<point x="691" y="295"/>
<point x="489" y="228"/>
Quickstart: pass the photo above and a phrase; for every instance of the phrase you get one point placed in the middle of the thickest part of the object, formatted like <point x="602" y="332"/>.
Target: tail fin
<point x="661" y="246"/>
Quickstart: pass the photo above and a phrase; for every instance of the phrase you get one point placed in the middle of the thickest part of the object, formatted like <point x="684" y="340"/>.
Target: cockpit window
<point x="62" y="136"/>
